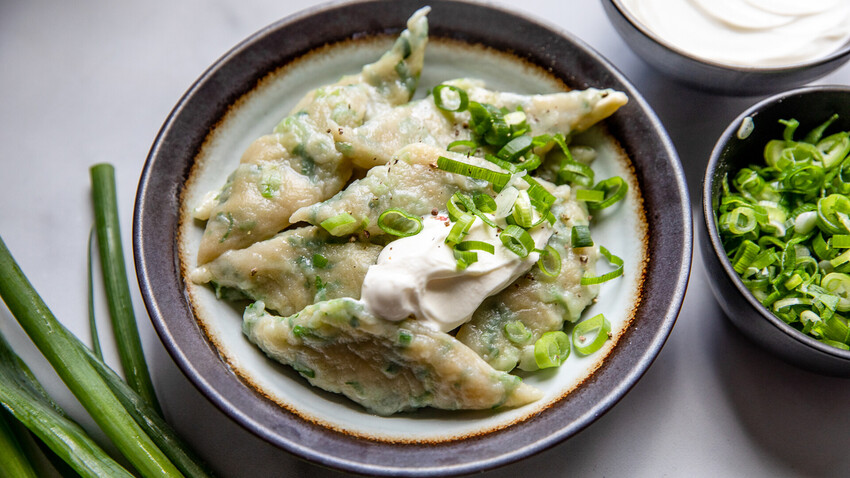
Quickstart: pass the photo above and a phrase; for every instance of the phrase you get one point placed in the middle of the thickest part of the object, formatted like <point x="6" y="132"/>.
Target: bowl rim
<point x="711" y="220"/>
<point x="154" y="262"/>
<point x="626" y="13"/>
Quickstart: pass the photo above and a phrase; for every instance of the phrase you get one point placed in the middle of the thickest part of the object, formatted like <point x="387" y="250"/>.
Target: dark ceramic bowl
<point x="811" y="106"/>
<point x="711" y="76"/>
<point x="249" y="89"/>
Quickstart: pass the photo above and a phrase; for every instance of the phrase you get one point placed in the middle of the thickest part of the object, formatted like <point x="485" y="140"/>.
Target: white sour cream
<point x="758" y="33"/>
<point x="418" y="275"/>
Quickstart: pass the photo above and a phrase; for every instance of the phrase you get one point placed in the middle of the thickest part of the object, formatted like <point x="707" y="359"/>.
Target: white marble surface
<point x="92" y="81"/>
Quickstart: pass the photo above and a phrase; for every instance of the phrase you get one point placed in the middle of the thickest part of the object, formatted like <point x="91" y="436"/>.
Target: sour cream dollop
<point x="418" y="275"/>
<point x="759" y="33"/>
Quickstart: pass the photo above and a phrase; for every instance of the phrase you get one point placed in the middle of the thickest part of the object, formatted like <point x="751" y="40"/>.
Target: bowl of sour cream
<point x="736" y="47"/>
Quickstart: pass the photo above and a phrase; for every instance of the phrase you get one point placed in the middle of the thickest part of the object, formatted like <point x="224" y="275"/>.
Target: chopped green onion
<point x="786" y="229"/>
<point x="617" y="272"/>
<point x="462" y="98"/>
<point x="830" y="209"/>
<point x="477" y="172"/>
<point x="590" y="195"/>
<point x="529" y="163"/>
<point x="551" y="349"/>
<point x="740" y="221"/>
<point x="475" y="246"/>
<point x="468" y="206"/>
<point x="575" y="172"/>
<point x="590" y="335"/>
<point x="840" y="241"/>
<point x="834" y="149"/>
<point x="517" y="332"/>
<point x="506" y="165"/>
<point x="517" y="120"/>
<point x="549" y="262"/>
<point x="522" y="212"/>
<point x="838" y="284"/>
<point x="405" y="337"/>
<point x="479" y="118"/>
<point x="460" y="228"/>
<point x="814" y="136"/>
<point x="744" y="256"/>
<point x="615" y="189"/>
<point x="484" y="203"/>
<point x="505" y="202"/>
<point x="465" y="258"/>
<point x="580" y="236"/>
<point x="469" y="144"/>
<point x="517" y="240"/>
<point x="539" y="195"/>
<point x="399" y="223"/>
<point x="339" y="225"/>
<point x="515" y="148"/>
<point x="561" y="141"/>
<point x="500" y="131"/>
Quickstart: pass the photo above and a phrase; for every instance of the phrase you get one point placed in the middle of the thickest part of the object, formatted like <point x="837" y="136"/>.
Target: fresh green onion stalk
<point x="74" y="368"/>
<point x="117" y="286"/>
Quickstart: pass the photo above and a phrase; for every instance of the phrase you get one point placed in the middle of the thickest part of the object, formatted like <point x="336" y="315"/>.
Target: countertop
<point x="92" y="81"/>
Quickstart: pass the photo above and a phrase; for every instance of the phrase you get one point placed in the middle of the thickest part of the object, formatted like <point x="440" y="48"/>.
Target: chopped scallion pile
<point x="785" y="226"/>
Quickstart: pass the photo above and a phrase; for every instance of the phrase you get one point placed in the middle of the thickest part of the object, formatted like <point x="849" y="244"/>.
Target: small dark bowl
<point x="712" y="76"/>
<point x="811" y="106"/>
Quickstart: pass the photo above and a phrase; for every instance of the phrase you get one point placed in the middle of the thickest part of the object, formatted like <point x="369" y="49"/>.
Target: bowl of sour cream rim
<point x="736" y="47"/>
